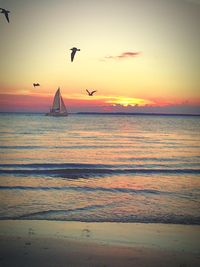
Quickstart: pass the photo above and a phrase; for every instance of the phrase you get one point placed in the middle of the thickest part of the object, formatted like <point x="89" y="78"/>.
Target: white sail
<point x="58" y="108"/>
<point x="56" y="101"/>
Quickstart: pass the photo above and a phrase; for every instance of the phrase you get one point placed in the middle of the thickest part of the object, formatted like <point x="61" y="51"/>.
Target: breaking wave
<point x="86" y="170"/>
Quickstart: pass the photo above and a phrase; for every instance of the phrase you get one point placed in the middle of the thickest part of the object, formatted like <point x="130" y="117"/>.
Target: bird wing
<point x="72" y="55"/>
<point x="88" y="91"/>
<point x="93" y="92"/>
<point x="6" y="15"/>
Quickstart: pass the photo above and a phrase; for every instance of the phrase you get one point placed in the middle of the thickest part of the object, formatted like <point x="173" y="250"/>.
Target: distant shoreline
<point x="134" y="114"/>
<point x="110" y="113"/>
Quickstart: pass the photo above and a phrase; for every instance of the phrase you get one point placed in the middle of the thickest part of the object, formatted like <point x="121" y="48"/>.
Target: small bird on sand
<point x="36" y="84"/>
<point x="74" y="50"/>
<point x="90" y="93"/>
<point x="5" y="12"/>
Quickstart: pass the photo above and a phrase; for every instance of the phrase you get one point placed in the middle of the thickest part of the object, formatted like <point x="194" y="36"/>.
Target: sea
<point x="100" y="168"/>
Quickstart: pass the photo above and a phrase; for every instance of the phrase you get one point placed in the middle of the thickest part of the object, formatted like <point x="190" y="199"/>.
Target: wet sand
<point x="71" y="244"/>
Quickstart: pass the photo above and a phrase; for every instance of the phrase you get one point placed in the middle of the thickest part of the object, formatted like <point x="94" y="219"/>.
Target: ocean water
<point x="116" y="168"/>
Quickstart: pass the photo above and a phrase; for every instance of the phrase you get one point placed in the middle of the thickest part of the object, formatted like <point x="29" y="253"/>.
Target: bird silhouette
<point x="90" y="93"/>
<point x="5" y="12"/>
<point x="74" y="50"/>
<point x="36" y="84"/>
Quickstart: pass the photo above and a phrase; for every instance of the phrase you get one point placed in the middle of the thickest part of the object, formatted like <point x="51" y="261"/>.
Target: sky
<point x="140" y="55"/>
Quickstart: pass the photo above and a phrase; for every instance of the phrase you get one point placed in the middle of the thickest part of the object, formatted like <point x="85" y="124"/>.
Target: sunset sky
<point x="140" y="55"/>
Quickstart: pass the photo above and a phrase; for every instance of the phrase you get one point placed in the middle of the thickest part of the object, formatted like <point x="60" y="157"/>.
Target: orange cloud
<point x="124" y="55"/>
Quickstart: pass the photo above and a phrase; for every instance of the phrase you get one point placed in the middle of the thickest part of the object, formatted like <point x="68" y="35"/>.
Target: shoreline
<point x="33" y="243"/>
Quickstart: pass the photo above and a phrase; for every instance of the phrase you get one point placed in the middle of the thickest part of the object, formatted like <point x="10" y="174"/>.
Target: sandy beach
<point x="71" y="244"/>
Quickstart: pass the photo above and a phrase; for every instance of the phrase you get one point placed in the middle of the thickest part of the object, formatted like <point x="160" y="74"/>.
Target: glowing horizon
<point x="83" y="103"/>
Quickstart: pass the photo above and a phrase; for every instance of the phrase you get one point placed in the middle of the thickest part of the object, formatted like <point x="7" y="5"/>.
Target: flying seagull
<point x="5" y="12"/>
<point x="36" y="84"/>
<point x="90" y="93"/>
<point x="74" y="50"/>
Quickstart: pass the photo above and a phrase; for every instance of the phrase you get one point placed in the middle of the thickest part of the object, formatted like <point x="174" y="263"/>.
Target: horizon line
<point x="109" y="113"/>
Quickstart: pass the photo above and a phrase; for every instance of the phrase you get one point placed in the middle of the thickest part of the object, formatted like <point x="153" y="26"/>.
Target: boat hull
<point x="56" y="114"/>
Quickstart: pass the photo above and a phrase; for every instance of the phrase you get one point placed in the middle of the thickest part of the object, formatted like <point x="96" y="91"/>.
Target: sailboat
<point x="58" y="109"/>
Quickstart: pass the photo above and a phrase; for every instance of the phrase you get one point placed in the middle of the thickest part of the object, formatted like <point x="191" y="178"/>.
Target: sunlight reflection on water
<point x="94" y="168"/>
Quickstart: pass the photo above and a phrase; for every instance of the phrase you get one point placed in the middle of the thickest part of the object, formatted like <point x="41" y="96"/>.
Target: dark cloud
<point x="124" y="55"/>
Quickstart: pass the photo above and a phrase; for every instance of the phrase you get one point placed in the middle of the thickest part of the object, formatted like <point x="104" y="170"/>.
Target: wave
<point x="77" y="170"/>
<point x="112" y="190"/>
<point x="81" y="173"/>
<point x="85" y="188"/>
<point x="85" y="214"/>
<point x="27" y="147"/>
<point x="55" y="165"/>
